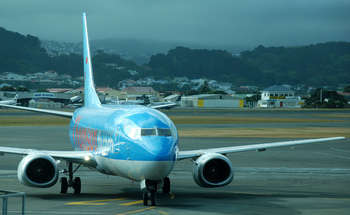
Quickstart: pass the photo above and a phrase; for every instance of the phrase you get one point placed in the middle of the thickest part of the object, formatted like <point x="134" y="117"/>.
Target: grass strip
<point x="235" y="120"/>
<point x="303" y="132"/>
<point x="53" y="120"/>
<point x="33" y="120"/>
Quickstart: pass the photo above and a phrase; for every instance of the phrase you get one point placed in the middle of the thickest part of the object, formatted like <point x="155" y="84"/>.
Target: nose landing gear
<point x="75" y="183"/>
<point x="149" y="190"/>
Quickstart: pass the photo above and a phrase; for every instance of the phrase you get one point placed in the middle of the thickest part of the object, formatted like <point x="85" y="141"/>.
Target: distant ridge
<point x="21" y="54"/>
<point x="137" y="50"/>
<point x="317" y="64"/>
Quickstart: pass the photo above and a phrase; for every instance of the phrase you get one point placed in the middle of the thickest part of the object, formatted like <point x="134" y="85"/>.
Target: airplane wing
<point x="163" y="106"/>
<point x="52" y="112"/>
<point x="10" y="101"/>
<point x="83" y="157"/>
<point x="260" y="147"/>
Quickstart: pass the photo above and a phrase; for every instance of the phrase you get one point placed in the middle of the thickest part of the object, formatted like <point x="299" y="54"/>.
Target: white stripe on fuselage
<point x="134" y="170"/>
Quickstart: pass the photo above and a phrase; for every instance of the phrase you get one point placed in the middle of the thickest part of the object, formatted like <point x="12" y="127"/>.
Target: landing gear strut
<point x="149" y="189"/>
<point x="75" y="183"/>
<point x="166" y="185"/>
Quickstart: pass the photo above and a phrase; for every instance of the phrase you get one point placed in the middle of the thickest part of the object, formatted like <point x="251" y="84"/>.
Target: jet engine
<point x="212" y="170"/>
<point x="38" y="170"/>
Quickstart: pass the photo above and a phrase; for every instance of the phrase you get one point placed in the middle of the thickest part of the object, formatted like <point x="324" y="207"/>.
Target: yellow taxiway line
<point x="132" y="203"/>
<point x="94" y="202"/>
<point x="137" y="211"/>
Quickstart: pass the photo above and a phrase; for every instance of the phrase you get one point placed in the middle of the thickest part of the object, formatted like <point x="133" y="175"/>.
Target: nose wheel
<point x="75" y="183"/>
<point x="149" y="196"/>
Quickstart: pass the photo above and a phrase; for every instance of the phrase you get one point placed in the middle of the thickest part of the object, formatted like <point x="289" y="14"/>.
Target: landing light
<point x="87" y="158"/>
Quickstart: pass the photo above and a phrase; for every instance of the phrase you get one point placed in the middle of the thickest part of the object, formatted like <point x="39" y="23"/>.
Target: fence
<point x="7" y="194"/>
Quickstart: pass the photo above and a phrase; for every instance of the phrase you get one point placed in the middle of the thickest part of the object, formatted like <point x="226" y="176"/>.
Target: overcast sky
<point x="232" y="22"/>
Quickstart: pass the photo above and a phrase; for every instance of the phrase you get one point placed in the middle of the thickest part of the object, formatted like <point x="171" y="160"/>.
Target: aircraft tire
<point x="77" y="185"/>
<point x="153" y="198"/>
<point x="145" y="198"/>
<point x="64" y="185"/>
<point x="166" y="185"/>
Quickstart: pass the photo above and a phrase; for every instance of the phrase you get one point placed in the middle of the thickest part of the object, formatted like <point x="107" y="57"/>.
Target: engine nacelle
<point x="38" y="170"/>
<point x="212" y="170"/>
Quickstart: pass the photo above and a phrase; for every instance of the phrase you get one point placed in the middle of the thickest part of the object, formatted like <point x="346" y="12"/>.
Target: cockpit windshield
<point x="164" y="132"/>
<point x="155" y="132"/>
<point x="148" y="132"/>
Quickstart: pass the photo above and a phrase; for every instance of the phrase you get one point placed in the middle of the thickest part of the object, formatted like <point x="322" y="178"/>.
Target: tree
<point x="22" y="88"/>
<point x="322" y="98"/>
<point x="204" y="89"/>
<point x="347" y="89"/>
<point x="8" y="88"/>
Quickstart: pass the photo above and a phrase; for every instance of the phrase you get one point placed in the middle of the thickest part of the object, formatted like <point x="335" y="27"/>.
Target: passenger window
<point x="164" y="132"/>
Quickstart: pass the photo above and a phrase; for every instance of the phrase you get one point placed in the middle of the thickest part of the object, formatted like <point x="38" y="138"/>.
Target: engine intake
<point x="212" y="170"/>
<point x="38" y="170"/>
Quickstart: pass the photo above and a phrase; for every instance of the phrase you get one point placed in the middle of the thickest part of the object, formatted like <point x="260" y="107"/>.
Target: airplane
<point x="155" y="105"/>
<point x="162" y="105"/>
<point x="132" y="141"/>
<point x="12" y="101"/>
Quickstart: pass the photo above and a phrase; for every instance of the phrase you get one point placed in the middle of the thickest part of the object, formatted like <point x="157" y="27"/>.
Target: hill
<point x="24" y="54"/>
<point x="21" y="54"/>
<point x="320" y="64"/>
<point x="137" y="50"/>
<point x="202" y="63"/>
<point x="317" y="65"/>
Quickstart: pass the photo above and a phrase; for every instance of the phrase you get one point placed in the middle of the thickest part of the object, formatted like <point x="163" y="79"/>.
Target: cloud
<point x="241" y="22"/>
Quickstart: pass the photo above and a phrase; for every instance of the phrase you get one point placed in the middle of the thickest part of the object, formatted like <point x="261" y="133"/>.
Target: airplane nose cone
<point x="157" y="170"/>
<point x="161" y="150"/>
<point x="161" y="159"/>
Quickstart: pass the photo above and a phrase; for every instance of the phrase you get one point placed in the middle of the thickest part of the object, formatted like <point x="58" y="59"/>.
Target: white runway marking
<point x="333" y="155"/>
<point x="53" y="212"/>
<point x="339" y="150"/>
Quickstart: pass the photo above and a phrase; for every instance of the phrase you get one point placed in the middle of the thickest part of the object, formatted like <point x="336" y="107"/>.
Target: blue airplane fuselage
<point x="133" y="141"/>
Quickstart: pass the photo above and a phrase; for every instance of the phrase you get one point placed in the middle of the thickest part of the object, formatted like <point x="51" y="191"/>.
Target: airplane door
<point x="120" y="146"/>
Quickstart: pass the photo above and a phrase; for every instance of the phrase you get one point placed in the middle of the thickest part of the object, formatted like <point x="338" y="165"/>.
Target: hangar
<point x="211" y="101"/>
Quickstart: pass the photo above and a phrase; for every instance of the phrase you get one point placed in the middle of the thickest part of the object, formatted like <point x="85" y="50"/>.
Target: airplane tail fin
<point x="90" y="96"/>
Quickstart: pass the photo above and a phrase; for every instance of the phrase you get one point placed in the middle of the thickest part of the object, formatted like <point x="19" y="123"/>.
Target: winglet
<point x="90" y="96"/>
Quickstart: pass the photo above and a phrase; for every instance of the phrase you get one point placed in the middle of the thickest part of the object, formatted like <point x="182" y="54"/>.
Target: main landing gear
<point x="166" y="185"/>
<point x="149" y="190"/>
<point x="75" y="183"/>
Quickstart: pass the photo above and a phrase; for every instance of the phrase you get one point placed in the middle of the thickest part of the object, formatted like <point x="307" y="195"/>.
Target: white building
<point x="9" y="76"/>
<point x="211" y="101"/>
<point x="279" y="96"/>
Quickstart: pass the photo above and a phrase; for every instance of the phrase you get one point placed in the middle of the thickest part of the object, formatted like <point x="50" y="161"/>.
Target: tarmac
<point x="307" y="179"/>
